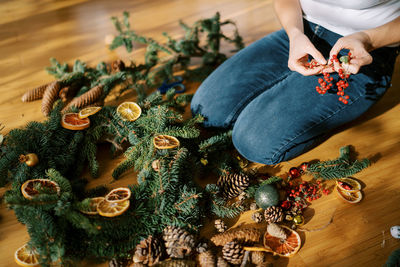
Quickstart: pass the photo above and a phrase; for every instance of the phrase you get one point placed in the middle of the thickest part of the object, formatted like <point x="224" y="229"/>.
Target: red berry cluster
<point x="299" y="192"/>
<point x="326" y="83"/>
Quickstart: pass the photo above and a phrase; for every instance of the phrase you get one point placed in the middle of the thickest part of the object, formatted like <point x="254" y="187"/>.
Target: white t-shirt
<point x="349" y="16"/>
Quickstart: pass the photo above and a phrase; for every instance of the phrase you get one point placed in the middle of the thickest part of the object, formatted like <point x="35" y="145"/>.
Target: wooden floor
<point x="33" y="31"/>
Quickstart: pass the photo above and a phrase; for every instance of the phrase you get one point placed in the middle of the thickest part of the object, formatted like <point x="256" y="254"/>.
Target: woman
<point x="267" y="91"/>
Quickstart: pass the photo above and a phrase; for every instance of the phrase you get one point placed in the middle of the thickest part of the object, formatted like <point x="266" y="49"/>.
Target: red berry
<point x="340" y="99"/>
<point x="345" y="101"/>
<point x="346" y="96"/>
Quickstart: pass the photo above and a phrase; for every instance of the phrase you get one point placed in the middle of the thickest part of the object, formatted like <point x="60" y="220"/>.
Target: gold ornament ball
<point x="30" y="159"/>
<point x="298" y="220"/>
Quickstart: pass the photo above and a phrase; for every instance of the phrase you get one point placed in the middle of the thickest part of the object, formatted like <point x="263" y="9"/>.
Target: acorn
<point x="30" y="159"/>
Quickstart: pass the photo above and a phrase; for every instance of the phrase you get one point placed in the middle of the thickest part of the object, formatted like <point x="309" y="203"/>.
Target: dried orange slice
<point x="34" y="187"/>
<point x="112" y="209"/>
<point x="72" y="121"/>
<point x="283" y="247"/>
<point x="94" y="202"/>
<point x="349" y="197"/>
<point x="165" y="141"/>
<point x="118" y="195"/>
<point x="24" y="256"/>
<point x="348" y="184"/>
<point x="129" y="111"/>
<point x="86" y="112"/>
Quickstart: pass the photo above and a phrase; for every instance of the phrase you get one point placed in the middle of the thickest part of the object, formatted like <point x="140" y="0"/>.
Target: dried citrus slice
<point x="348" y="184"/>
<point x="24" y="256"/>
<point x="349" y="197"/>
<point x="86" y="112"/>
<point x="129" y="111"/>
<point x="34" y="187"/>
<point x="94" y="202"/>
<point x="112" y="209"/>
<point x="283" y="247"/>
<point x="118" y="194"/>
<point x="165" y="141"/>
<point x="72" y="121"/>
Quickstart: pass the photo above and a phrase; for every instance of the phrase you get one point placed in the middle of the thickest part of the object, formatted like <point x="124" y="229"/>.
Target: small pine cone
<point x="206" y="259"/>
<point x="176" y="263"/>
<point x="243" y="196"/>
<point x="121" y="262"/>
<point x="273" y="214"/>
<point x="87" y="98"/>
<point x="148" y="251"/>
<point x="202" y="247"/>
<point x="253" y="206"/>
<point x="231" y="185"/>
<point x="258" y="257"/>
<point x="221" y="262"/>
<point x="117" y="65"/>
<point x="257" y="217"/>
<point x="137" y="264"/>
<point x="35" y="93"/>
<point x="233" y="252"/>
<point x="178" y="242"/>
<point x="50" y="95"/>
<point x="220" y="225"/>
<point x="244" y="235"/>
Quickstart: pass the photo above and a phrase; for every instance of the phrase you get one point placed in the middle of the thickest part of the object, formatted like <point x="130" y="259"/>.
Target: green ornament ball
<point x="266" y="196"/>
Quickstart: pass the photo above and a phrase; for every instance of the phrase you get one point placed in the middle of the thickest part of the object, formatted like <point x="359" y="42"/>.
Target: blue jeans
<point x="276" y="113"/>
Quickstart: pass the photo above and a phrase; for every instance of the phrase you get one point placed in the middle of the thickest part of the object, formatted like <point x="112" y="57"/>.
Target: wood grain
<point x="33" y="31"/>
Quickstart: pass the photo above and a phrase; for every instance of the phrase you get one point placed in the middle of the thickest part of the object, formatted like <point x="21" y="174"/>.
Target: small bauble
<point x="294" y="173"/>
<point x="30" y="159"/>
<point x="395" y="231"/>
<point x="298" y="220"/>
<point x="266" y="196"/>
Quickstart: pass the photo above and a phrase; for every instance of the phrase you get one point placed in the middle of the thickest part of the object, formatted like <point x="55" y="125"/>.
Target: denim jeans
<point x="276" y="113"/>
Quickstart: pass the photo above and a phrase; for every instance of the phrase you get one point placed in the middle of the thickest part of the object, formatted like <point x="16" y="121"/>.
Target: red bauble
<point x="294" y="172"/>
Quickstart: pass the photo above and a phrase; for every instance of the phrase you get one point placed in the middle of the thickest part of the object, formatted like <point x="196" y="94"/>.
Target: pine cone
<point x="50" y="95"/>
<point x="276" y="231"/>
<point x="117" y="65"/>
<point x="148" y="251"/>
<point x="220" y="225"/>
<point x="221" y="262"/>
<point x="87" y="98"/>
<point x="244" y="235"/>
<point x="176" y="263"/>
<point x="178" y="242"/>
<point x="206" y="259"/>
<point x="202" y="247"/>
<point x="257" y="217"/>
<point x="273" y="214"/>
<point x="231" y="185"/>
<point x="35" y="93"/>
<point x="233" y="252"/>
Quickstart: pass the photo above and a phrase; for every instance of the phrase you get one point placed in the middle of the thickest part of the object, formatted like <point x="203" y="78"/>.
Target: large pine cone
<point x="178" y="242"/>
<point x="231" y="185"/>
<point x="148" y="251"/>
<point x="273" y="214"/>
<point x="244" y="235"/>
<point x="233" y="252"/>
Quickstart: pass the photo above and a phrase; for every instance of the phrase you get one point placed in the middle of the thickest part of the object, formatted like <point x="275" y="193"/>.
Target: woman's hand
<point x="300" y="48"/>
<point x="359" y="44"/>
